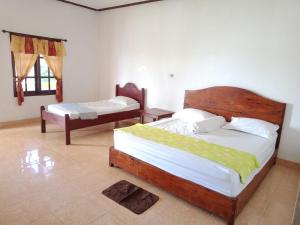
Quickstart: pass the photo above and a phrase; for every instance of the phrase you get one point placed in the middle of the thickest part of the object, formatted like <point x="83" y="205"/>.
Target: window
<point x="39" y="81"/>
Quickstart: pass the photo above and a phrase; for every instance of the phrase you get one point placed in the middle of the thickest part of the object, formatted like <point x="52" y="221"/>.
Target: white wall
<point x="53" y="19"/>
<point x="249" y="44"/>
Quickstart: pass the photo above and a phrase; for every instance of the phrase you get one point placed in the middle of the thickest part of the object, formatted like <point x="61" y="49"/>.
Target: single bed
<point x="197" y="180"/>
<point x="68" y="115"/>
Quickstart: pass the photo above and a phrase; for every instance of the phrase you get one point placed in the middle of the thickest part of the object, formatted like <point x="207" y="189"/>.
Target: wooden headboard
<point x="132" y="91"/>
<point x="232" y="101"/>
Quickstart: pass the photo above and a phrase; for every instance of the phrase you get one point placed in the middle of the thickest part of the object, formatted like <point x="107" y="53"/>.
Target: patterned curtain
<point x="26" y="51"/>
<point x="55" y="63"/>
<point x="23" y="64"/>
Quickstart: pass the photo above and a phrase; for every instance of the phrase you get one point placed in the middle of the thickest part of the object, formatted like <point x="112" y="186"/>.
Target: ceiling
<point x="99" y="4"/>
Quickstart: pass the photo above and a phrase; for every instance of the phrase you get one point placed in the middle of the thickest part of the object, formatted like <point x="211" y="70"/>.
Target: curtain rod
<point x="35" y="36"/>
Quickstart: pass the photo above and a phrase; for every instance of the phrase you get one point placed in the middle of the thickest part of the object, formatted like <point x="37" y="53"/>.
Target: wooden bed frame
<point x="227" y="102"/>
<point x="129" y="90"/>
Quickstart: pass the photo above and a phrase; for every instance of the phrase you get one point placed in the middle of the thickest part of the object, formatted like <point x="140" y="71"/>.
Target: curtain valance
<point x="29" y="45"/>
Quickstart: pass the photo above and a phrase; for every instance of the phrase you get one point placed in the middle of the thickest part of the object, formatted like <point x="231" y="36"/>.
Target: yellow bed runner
<point x="242" y="162"/>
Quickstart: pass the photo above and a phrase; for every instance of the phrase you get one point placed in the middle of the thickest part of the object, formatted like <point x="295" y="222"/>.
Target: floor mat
<point x="131" y="196"/>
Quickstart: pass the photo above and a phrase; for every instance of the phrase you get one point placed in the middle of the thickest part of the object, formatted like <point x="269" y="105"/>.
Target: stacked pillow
<point x="200" y="121"/>
<point x="192" y="115"/>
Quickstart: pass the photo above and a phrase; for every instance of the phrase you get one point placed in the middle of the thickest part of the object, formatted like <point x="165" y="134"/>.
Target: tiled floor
<point x="44" y="182"/>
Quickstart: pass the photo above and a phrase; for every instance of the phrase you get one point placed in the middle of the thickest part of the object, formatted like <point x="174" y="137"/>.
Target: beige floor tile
<point x="15" y="215"/>
<point x="249" y="216"/>
<point x="47" y="219"/>
<point x="109" y="219"/>
<point x="80" y="212"/>
<point x="277" y="214"/>
<point x="12" y="193"/>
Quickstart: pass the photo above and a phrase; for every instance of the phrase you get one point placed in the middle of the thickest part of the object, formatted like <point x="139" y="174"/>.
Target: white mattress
<point x="194" y="168"/>
<point x="99" y="108"/>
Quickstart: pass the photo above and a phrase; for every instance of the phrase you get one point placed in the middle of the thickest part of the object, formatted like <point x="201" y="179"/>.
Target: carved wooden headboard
<point x="232" y="101"/>
<point x="132" y="91"/>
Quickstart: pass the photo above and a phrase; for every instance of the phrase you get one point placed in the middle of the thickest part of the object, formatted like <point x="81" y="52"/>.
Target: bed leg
<point x="231" y="221"/>
<point x="110" y="156"/>
<point x="110" y="163"/>
<point x="142" y="117"/>
<point x="67" y="129"/>
<point x="231" y="218"/>
<point x="275" y="157"/>
<point x="43" y="122"/>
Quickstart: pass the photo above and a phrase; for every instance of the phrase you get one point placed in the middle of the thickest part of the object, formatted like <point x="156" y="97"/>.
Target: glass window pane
<point x="52" y="84"/>
<point x="44" y="68"/>
<point x="30" y="84"/>
<point x="44" y="84"/>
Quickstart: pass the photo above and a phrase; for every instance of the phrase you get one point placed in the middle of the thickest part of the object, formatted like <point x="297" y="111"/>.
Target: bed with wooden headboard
<point x="129" y="90"/>
<point x="227" y="102"/>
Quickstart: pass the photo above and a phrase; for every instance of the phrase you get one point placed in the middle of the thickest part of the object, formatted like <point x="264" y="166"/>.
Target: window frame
<point x="37" y="77"/>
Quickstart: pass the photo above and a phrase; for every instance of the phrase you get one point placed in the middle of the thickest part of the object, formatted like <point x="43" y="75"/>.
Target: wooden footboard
<point x="221" y="205"/>
<point x="63" y="122"/>
<point x="200" y="196"/>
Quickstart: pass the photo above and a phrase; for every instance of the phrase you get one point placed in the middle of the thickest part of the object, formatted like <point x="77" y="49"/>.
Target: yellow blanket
<point x="242" y="162"/>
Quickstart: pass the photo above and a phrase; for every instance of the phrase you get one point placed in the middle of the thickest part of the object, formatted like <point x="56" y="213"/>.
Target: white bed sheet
<point x="194" y="168"/>
<point x="99" y="107"/>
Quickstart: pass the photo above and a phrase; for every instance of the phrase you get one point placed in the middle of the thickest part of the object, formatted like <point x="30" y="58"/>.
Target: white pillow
<point x="123" y="100"/>
<point x="192" y="115"/>
<point x="252" y="126"/>
<point x="209" y="125"/>
<point x="180" y="127"/>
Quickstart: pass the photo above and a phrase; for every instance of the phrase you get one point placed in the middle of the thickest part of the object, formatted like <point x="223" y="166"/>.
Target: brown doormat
<point x="131" y="196"/>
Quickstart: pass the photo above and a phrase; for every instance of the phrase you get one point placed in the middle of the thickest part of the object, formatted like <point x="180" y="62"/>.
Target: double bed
<point x="81" y="115"/>
<point x="202" y="182"/>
